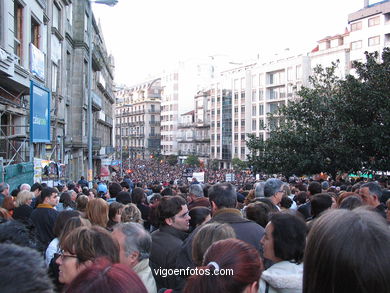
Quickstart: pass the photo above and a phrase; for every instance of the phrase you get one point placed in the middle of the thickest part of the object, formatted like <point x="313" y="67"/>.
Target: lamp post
<point x="90" y="114"/>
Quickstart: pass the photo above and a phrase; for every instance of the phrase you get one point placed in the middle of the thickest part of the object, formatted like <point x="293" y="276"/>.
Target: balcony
<point x="154" y="123"/>
<point x="185" y="125"/>
<point x="155" y="135"/>
<point x="154" y="111"/>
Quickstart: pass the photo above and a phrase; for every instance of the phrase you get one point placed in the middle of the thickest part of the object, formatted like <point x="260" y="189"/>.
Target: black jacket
<point x="166" y="243"/>
<point x="43" y="218"/>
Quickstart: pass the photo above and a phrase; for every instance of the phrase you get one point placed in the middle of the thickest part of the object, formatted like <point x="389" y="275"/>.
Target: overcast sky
<point x="146" y="36"/>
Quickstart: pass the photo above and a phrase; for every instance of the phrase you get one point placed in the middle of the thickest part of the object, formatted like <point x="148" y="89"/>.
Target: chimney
<point x="366" y="3"/>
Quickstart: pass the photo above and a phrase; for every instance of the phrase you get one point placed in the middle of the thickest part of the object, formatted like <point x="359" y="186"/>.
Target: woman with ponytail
<point x="229" y="266"/>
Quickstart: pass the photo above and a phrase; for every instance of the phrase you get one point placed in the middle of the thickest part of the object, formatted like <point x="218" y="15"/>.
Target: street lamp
<point x="90" y="114"/>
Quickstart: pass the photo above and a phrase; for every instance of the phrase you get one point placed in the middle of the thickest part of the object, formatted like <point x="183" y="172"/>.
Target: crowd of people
<point x="153" y="231"/>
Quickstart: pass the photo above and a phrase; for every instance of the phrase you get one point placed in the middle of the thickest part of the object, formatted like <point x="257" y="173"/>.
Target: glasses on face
<point x="64" y="256"/>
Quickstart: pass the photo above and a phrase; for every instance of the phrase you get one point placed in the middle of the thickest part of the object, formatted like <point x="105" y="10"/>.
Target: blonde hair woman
<point x="97" y="212"/>
<point x="23" y="207"/>
<point x="131" y="213"/>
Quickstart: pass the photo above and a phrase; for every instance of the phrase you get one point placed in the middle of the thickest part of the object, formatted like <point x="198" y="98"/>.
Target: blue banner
<point x="39" y="113"/>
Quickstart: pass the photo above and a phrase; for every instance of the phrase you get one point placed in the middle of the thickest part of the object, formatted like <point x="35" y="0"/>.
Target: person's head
<point x="125" y="186"/>
<point x="195" y="190"/>
<point x="301" y="197"/>
<point x="347" y="251"/>
<point x="138" y="195"/>
<point x="259" y="189"/>
<point x="371" y="193"/>
<point x="4" y="188"/>
<point x="114" y="189"/>
<point x="258" y="212"/>
<point x="351" y="202"/>
<point x="284" y="238"/>
<point x="222" y="195"/>
<point x="173" y="211"/>
<point x="36" y="188"/>
<point x="207" y="235"/>
<point x="81" y="203"/>
<point x="241" y="259"/>
<point x="49" y="196"/>
<point x="199" y="215"/>
<point x="66" y="200"/>
<point x="61" y="220"/>
<point x="104" y="276"/>
<point x="71" y="224"/>
<point x="320" y="202"/>
<point x="16" y="233"/>
<point x="130" y="213"/>
<point x="115" y="211"/>
<point x="314" y="188"/>
<point x="24" y="198"/>
<point x="134" y="242"/>
<point x="22" y="269"/>
<point x="273" y="189"/>
<point x="97" y="212"/>
<point x="25" y="186"/>
<point x="286" y="202"/>
<point x="81" y="247"/>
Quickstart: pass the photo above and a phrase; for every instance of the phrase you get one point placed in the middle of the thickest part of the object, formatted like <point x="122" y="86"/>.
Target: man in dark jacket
<point x="167" y="240"/>
<point x="223" y="199"/>
<point x="44" y="217"/>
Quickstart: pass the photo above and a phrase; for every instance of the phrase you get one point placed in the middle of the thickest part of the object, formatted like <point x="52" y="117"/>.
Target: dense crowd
<point x="155" y="230"/>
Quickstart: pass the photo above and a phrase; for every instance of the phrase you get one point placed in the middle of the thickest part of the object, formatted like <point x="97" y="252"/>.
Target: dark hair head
<point x="289" y="236"/>
<point x="286" y="202"/>
<point x="66" y="200"/>
<point x="114" y="209"/>
<point x="207" y="235"/>
<point x="23" y="270"/>
<point x="124" y="184"/>
<point x="223" y="195"/>
<point x="124" y="197"/>
<point x="36" y="186"/>
<point x="351" y="202"/>
<point x="198" y="215"/>
<point x="168" y="207"/>
<point x="315" y="187"/>
<point x="258" y="212"/>
<point x="229" y="254"/>
<point x="90" y="243"/>
<point x="347" y="251"/>
<point x="47" y="192"/>
<point x="167" y="191"/>
<point x="138" y="195"/>
<point x="320" y="202"/>
<point x="61" y="220"/>
<point x="72" y="224"/>
<point x="114" y="189"/>
<point x="104" y="276"/>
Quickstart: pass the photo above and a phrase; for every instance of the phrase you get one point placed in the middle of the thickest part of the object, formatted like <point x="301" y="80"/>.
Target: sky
<point x="148" y="36"/>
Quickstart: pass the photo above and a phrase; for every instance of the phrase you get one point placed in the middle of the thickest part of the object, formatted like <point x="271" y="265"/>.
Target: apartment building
<point x="137" y="127"/>
<point x="179" y="87"/>
<point x="47" y="42"/>
<point x="369" y="29"/>
<point x="193" y="131"/>
<point x="242" y="97"/>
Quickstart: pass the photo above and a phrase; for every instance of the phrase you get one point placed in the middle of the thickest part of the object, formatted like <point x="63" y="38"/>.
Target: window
<point x="273" y="107"/>
<point x="54" y="75"/>
<point x="374" y="41"/>
<point x="235" y="109"/>
<point x="236" y="136"/>
<point x="254" y="125"/>
<point x="236" y="123"/>
<point x="261" y="94"/>
<point x="261" y="110"/>
<point x="86" y="17"/>
<point x="18" y="31"/>
<point x="356" y="45"/>
<point x="242" y="123"/>
<point x="242" y="109"/>
<point x="56" y="17"/>
<point x="254" y="111"/>
<point x="69" y="12"/>
<point x="35" y="32"/>
<point x="254" y="97"/>
<point x="261" y="79"/>
<point x="356" y="26"/>
<point x="261" y="124"/>
<point x="374" y="21"/>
